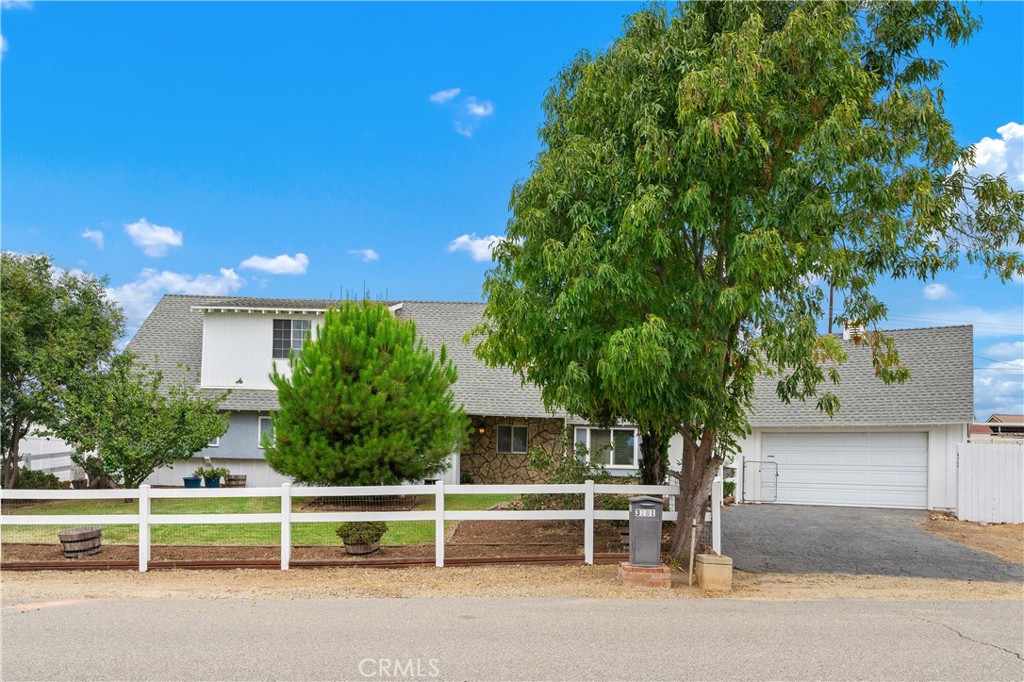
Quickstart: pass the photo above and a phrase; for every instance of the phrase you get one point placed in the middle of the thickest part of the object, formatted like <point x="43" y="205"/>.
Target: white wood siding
<point x="240" y="346"/>
<point x="990" y="482"/>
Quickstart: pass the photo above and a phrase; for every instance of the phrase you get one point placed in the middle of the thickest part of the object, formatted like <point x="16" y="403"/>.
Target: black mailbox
<point x="645" y="531"/>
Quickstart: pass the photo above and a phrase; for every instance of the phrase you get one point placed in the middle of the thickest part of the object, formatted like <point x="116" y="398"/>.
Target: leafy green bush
<point x="361" y="532"/>
<point x="564" y="465"/>
<point x="728" y="488"/>
<point x="36" y="480"/>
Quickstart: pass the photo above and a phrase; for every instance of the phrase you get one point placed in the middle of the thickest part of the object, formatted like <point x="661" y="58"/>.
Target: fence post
<point x="144" y="541"/>
<point x="439" y="524"/>
<point x="286" y="525"/>
<point x="716" y="513"/>
<point x="588" y="522"/>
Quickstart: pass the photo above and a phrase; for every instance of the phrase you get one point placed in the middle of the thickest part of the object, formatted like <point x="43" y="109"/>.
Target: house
<point x="891" y="446"/>
<point x="999" y="427"/>
<point x="232" y="343"/>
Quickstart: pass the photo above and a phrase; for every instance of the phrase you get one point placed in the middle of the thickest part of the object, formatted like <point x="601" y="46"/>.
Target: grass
<point x="399" y="532"/>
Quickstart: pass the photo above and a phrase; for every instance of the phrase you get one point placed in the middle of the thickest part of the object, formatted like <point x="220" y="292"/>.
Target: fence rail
<point x="145" y="519"/>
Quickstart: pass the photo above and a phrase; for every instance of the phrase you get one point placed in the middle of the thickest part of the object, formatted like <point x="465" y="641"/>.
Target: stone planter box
<point x="714" y="572"/>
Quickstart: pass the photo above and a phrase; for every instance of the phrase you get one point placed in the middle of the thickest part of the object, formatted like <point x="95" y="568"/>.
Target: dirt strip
<point x="475" y="581"/>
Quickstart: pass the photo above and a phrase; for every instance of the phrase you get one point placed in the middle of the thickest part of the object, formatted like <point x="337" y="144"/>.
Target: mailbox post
<point x="645" y="531"/>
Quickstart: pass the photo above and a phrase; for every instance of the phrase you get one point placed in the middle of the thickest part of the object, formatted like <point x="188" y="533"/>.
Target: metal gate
<point x="760" y="481"/>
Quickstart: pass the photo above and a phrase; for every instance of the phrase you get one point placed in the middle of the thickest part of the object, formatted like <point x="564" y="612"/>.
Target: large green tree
<point x="57" y="328"/>
<point x="365" y="403"/>
<point x="699" y="178"/>
<point x="125" y="422"/>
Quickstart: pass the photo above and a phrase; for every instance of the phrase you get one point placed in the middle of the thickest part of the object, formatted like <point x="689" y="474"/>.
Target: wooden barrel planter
<point x="80" y="542"/>
<point x="234" y="481"/>
<point x="362" y="550"/>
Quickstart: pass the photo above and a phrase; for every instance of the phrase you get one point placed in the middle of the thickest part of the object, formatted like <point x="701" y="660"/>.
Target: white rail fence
<point x="286" y="517"/>
<point x="990" y="482"/>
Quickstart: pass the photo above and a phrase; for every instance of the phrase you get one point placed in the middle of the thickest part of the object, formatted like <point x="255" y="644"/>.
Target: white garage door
<point x="850" y="469"/>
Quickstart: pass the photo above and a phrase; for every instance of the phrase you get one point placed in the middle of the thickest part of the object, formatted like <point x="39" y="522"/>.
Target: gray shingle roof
<point x="940" y="390"/>
<point x="940" y="360"/>
<point x="483" y="390"/>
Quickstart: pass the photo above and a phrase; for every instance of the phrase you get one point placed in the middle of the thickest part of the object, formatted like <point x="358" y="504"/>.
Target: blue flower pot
<point x="212" y="482"/>
<point x="193" y="481"/>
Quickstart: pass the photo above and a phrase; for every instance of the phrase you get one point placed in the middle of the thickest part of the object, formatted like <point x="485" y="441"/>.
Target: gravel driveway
<point x="803" y="539"/>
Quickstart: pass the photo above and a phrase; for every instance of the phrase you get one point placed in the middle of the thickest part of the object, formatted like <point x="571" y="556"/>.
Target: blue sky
<point x="314" y="149"/>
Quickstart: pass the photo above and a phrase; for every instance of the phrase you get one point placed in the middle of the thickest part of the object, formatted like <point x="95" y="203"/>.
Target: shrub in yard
<point x="728" y="488"/>
<point x="36" y="480"/>
<point x="564" y="465"/>
<point x="361" y="532"/>
<point x="366" y="403"/>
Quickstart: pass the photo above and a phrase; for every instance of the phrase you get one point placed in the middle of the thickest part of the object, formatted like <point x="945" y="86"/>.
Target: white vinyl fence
<point x="990" y="482"/>
<point x="286" y="517"/>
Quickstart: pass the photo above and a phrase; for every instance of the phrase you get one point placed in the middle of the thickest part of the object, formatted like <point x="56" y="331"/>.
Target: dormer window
<point x="288" y="336"/>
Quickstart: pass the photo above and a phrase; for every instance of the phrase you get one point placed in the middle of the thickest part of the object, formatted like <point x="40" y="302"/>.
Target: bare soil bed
<point x="470" y="539"/>
<point x="1006" y="540"/>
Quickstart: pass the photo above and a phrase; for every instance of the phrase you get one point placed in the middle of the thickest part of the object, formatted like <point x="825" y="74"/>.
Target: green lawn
<point x="399" y="532"/>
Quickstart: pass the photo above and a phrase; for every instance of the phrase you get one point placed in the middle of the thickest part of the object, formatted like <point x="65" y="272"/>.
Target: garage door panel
<point x="858" y="469"/>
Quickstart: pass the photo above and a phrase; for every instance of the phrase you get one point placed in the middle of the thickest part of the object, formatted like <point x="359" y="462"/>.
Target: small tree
<point x="366" y="403"/>
<point x="57" y="329"/>
<point x="135" y="424"/>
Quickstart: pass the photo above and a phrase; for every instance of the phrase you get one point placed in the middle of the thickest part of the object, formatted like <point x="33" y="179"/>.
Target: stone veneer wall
<point x="482" y="461"/>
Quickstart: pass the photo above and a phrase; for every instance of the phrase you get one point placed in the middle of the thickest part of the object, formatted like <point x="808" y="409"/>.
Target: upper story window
<point x="614" y="448"/>
<point x="513" y="439"/>
<point x="289" y="335"/>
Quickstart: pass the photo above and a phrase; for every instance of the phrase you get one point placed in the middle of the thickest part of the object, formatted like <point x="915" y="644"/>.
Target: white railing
<point x="286" y="517"/>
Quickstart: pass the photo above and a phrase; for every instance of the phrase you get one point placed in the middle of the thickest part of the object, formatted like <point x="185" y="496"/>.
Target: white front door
<point x="859" y="469"/>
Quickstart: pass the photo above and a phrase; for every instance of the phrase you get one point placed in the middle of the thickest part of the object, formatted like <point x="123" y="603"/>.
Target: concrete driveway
<point x="801" y="539"/>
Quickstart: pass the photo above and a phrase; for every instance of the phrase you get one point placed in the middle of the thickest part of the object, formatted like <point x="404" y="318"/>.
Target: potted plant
<point x="193" y="481"/>
<point x="361" y="537"/>
<point x="212" y="475"/>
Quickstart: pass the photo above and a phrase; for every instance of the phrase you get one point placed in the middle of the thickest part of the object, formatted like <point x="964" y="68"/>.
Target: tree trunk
<point x="697" y="473"/>
<point x="653" y="458"/>
<point x="10" y="463"/>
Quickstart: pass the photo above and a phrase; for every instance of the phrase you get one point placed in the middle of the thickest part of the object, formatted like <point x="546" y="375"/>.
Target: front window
<point x="289" y="335"/>
<point x="614" y="448"/>
<point x="266" y="429"/>
<point x="513" y="439"/>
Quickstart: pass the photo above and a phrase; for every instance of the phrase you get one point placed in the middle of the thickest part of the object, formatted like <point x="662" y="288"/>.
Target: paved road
<point x="800" y="539"/>
<point x="506" y="639"/>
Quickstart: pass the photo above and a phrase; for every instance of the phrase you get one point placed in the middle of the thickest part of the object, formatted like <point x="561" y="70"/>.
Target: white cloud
<point x="154" y="240"/>
<point x="936" y="291"/>
<point x="138" y="297"/>
<point x="3" y="46"/>
<point x="95" y="236"/>
<point x="999" y="388"/>
<point x="444" y="95"/>
<point x="479" y="248"/>
<point x="278" y="265"/>
<point x="1005" y="154"/>
<point x="16" y="4"/>
<point x="368" y="255"/>
<point x="480" y="109"/>
<point x="1008" y="349"/>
